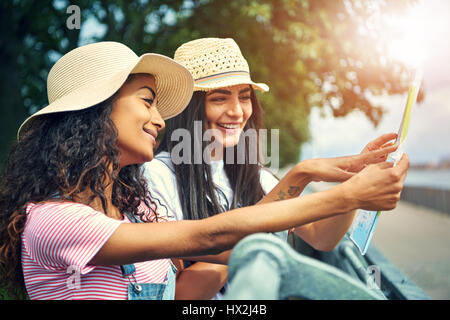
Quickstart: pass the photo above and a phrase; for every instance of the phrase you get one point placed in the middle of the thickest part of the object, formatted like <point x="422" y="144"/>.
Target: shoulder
<point x="61" y="233"/>
<point x="161" y="167"/>
<point x="59" y="208"/>
<point x="54" y="215"/>
<point x="161" y="161"/>
<point x="162" y="185"/>
<point x="160" y="171"/>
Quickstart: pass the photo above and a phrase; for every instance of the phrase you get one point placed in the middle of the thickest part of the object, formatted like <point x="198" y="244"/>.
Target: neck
<point x="110" y="209"/>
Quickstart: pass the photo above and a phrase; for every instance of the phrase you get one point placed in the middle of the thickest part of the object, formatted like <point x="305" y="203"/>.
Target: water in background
<point x="438" y="179"/>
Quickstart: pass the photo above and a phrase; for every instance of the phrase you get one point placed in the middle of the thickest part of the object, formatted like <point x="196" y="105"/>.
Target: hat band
<point x="221" y="76"/>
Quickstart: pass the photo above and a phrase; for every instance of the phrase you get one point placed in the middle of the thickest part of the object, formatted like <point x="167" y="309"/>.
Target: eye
<point x="217" y="99"/>
<point x="245" y="98"/>
<point x="149" y="101"/>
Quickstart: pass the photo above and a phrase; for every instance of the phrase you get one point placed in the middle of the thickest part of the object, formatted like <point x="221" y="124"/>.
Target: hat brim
<point x="220" y="83"/>
<point x="174" y="88"/>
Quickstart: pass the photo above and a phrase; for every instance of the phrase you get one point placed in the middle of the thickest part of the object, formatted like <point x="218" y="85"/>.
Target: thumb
<point x="403" y="164"/>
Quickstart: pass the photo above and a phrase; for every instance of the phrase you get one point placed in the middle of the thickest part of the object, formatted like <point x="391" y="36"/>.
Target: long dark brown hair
<point x="62" y="155"/>
<point x="197" y="192"/>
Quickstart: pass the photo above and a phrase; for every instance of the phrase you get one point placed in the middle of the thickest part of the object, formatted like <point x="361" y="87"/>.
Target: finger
<point x="388" y="148"/>
<point x="403" y="165"/>
<point x="403" y="178"/>
<point x="378" y="142"/>
<point x="359" y="162"/>
<point x="373" y="156"/>
<point x="388" y="144"/>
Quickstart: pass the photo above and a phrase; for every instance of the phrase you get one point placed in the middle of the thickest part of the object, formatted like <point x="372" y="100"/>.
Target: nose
<point x="235" y="109"/>
<point x="157" y="120"/>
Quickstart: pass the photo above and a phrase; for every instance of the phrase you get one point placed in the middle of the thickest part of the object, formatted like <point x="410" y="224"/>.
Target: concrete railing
<point x="437" y="199"/>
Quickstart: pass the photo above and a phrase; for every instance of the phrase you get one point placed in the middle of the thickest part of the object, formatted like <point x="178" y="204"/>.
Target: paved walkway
<point x="417" y="241"/>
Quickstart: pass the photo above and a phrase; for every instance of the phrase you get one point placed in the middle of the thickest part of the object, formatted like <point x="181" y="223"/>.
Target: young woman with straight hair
<point x="231" y="175"/>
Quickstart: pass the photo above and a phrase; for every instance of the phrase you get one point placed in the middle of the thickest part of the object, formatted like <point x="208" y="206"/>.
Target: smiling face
<point x="228" y="110"/>
<point x="137" y="119"/>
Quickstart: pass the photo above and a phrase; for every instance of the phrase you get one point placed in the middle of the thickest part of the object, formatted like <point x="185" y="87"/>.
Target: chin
<point x="146" y="155"/>
<point x="230" y="142"/>
<point x="141" y="159"/>
<point x="148" y="158"/>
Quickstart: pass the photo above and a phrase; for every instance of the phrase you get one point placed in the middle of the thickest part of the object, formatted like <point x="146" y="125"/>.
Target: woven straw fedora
<point x="92" y="73"/>
<point x="215" y="63"/>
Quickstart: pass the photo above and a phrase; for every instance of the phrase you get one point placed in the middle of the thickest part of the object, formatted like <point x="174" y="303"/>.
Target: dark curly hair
<point x="62" y="154"/>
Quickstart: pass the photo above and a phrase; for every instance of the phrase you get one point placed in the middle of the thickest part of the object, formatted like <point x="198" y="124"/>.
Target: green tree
<point x="312" y="53"/>
<point x="34" y="33"/>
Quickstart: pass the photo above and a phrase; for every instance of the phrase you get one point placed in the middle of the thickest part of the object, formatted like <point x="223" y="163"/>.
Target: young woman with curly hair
<point x="76" y="218"/>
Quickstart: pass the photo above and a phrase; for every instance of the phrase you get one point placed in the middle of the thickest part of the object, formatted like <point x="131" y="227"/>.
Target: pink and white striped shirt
<point x="59" y="240"/>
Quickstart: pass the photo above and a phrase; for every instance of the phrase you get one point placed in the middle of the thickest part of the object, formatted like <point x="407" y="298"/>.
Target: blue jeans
<point x="149" y="291"/>
<point x="262" y="266"/>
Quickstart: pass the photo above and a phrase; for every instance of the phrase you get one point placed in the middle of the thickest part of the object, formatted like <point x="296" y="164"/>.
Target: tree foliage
<point x="312" y="53"/>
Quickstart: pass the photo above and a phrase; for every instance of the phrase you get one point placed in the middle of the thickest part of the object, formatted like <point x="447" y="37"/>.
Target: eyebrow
<point x="227" y="92"/>
<point x="151" y="90"/>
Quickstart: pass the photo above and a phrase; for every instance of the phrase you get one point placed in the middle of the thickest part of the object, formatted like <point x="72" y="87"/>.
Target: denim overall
<point x="148" y="291"/>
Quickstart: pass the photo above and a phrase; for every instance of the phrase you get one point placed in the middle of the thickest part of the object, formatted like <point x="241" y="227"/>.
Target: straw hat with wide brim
<point x="216" y="63"/>
<point x="92" y="73"/>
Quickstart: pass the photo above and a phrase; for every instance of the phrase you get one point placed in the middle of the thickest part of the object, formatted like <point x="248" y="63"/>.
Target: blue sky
<point x="428" y="139"/>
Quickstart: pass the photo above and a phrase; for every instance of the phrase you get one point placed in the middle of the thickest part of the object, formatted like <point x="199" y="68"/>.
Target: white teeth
<point x="230" y="126"/>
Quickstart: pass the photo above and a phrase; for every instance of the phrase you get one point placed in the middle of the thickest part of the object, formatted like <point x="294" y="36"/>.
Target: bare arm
<point x="147" y="241"/>
<point x="200" y="281"/>
<point x="325" y="234"/>
<point x="375" y="188"/>
<point x="203" y="280"/>
<point x="289" y="187"/>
